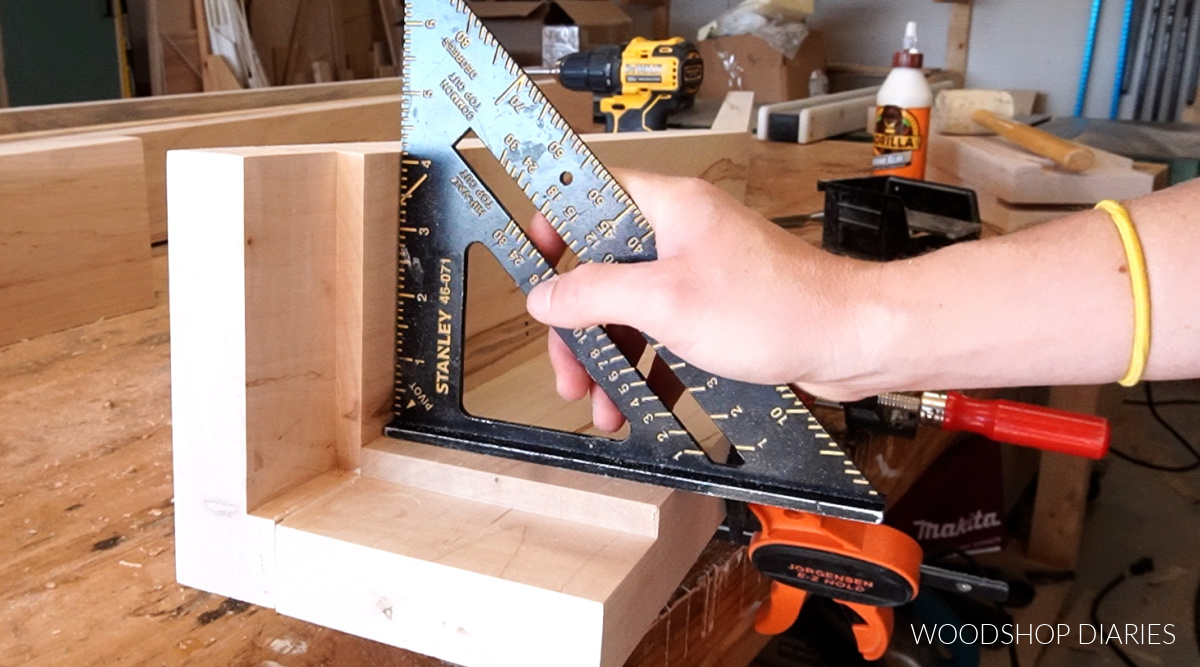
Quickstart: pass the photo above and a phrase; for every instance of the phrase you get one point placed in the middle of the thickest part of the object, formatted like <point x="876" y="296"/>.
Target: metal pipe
<point x="1134" y="35"/>
<point x="1122" y="54"/>
<point x="1164" y="57"/>
<point x="1191" y="57"/>
<point x="1088" y="51"/>
<point x="1184" y="34"/>
<point x="1147" y="56"/>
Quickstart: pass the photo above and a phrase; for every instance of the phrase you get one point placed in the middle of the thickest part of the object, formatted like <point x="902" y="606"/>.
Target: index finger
<point x="547" y="240"/>
<point x="668" y="202"/>
<point x="646" y="190"/>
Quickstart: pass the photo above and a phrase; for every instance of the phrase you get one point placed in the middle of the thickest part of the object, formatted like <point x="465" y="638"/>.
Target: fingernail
<point x="538" y="302"/>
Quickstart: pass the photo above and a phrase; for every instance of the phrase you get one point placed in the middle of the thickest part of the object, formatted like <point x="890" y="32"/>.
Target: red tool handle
<point x="1029" y="425"/>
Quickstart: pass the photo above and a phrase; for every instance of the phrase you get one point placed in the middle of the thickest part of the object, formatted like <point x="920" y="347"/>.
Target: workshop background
<point x="94" y="94"/>
<point x="1014" y="44"/>
<point x="1017" y="44"/>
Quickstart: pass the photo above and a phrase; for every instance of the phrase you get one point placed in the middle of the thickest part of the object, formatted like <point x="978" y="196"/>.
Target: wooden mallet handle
<point x="1068" y="154"/>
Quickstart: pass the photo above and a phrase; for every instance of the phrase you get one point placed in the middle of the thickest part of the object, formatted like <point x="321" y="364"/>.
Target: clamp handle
<point x="1029" y="425"/>
<point x="872" y="635"/>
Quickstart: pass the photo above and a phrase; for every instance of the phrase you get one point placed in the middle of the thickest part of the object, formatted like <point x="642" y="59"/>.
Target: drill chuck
<point x="597" y="70"/>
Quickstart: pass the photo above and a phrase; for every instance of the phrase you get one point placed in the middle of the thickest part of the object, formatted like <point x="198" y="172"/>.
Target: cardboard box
<point x="582" y="24"/>
<point x="578" y="25"/>
<point x="747" y="62"/>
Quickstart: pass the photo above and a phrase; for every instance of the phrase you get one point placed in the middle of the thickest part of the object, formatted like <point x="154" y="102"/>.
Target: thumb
<point x="596" y="294"/>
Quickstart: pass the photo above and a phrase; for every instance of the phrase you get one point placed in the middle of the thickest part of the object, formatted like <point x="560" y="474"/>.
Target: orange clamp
<point x="868" y="568"/>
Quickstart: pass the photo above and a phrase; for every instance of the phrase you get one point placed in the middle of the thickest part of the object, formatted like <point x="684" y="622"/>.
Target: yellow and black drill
<point x="636" y="85"/>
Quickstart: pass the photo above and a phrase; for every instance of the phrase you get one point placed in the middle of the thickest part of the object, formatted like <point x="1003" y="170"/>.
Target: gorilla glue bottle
<point x="902" y="114"/>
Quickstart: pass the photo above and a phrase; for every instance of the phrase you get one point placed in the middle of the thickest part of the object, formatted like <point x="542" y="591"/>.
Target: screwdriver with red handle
<point x="1008" y="421"/>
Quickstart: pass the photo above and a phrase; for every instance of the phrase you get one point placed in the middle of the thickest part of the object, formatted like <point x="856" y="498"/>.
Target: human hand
<point x="730" y="293"/>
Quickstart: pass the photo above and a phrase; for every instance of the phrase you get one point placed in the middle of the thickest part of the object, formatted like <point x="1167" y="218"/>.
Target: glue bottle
<point x="902" y="114"/>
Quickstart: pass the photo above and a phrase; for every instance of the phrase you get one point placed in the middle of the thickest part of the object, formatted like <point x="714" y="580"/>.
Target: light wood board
<point x="183" y="71"/>
<point x="1019" y="177"/>
<point x="365" y="119"/>
<point x="1000" y="215"/>
<point x="73" y="234"/>
<point x="262" y="448"/>
<point x="374" y="118"/>
<point x="218" y="76"/>
<point x="736" y="112"/>
<point x="1007" y="217"/>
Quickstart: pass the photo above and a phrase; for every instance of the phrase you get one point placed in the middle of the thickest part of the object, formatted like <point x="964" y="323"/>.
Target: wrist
<point x="878" y="329"/>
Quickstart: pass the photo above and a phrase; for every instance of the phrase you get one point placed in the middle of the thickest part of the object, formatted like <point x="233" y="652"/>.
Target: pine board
<point x="1016" y="176"/>
<point x="72" y="234"/>
<point x="262" y="445"/>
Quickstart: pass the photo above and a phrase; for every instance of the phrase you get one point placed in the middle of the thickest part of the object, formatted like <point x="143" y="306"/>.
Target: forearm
<point x="1050" y="305"/>
<point x="738" y="297"/>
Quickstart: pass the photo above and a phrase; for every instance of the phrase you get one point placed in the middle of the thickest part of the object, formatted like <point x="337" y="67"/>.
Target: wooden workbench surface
<point x="783" y="177"/>
<point x="87" y="571"/>
<point x="87" y="560"/>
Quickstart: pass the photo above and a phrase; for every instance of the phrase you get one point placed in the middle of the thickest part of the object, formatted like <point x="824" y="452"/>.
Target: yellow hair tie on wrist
<point x="1141" y="290"/>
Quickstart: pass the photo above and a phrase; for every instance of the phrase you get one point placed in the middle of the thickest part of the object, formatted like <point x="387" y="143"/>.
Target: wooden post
<point x="1062" y="488"/>
<point x="205" y="44"/>
<point x="958" y="37"/>
<point x="662" y="19"/>
<point x="154" y="40"/>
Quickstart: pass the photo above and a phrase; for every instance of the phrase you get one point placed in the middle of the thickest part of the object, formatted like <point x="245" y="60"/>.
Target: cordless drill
<point x="636" y="85"/>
